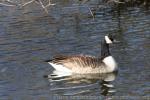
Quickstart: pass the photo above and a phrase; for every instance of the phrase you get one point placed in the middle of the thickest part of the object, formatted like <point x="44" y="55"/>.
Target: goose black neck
<point x="104" y="50"/>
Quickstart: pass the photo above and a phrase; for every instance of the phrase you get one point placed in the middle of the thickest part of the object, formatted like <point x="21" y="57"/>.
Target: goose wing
<point x="77" y="61"/>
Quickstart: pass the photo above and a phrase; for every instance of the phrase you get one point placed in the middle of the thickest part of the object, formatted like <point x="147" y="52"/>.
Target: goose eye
<point x="111" y="37"/>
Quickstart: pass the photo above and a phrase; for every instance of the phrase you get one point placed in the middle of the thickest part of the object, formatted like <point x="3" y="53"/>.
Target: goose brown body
<point x="78" y="60"/>
<point x="81" y="64"/>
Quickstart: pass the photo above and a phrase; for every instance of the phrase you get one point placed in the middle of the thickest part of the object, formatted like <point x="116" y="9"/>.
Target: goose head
<point x="109" y="39"/>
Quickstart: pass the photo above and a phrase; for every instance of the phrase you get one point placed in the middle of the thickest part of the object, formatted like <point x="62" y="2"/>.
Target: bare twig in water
<point x="91" y="12"/>
<point x="41" y="3"/>
<point x="6" y="4"/>
<point x="27" y="3"/>
<point x="49" y="3"/>
<point x="115" y="1"/>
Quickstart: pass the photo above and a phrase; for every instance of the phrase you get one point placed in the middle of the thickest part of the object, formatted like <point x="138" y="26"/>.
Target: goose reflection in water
<point x="82" y="84"/>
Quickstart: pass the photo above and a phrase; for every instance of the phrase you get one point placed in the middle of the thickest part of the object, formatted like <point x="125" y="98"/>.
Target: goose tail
<point x="50" y="60"/>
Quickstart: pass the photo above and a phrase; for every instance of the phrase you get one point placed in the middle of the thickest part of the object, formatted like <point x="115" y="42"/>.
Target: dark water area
<point x="29" y="36"/>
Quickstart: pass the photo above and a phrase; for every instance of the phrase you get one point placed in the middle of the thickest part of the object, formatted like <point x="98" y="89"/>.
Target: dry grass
<point x="41" y="3"/>
<point x="11" y="3"/>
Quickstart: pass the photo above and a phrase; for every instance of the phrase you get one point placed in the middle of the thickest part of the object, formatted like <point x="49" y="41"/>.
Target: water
<point x="29" y="36"/>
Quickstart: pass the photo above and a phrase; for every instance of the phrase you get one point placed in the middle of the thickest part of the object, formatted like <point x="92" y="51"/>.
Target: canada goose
<point x="84" y="64"/>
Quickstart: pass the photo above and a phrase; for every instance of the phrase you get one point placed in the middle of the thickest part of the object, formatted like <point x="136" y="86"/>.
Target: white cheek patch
<point x="107" y="40"/>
